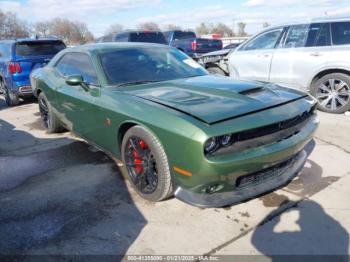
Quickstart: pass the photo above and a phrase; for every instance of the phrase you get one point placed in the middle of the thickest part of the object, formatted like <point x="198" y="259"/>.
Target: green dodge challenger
<point x="208" y="140"/>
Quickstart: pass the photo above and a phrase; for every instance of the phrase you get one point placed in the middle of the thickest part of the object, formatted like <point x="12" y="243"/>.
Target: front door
<point x="305" y="49"/>
<point x="252" y="60"/>
<point x="77" y="106"/>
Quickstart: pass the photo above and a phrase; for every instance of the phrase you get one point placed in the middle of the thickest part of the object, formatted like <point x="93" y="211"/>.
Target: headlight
<point x="211" y="145"/>
<point x="215" y="143"/>
<point x="226" y="140"/>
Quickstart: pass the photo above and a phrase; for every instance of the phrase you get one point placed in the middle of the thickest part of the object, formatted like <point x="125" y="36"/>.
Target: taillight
<point x="14" y="68"/>
<point x="194" y="45"/>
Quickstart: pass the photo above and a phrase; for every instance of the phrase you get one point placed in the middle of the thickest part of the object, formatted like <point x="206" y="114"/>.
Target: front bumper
<point x="280" y="177"/>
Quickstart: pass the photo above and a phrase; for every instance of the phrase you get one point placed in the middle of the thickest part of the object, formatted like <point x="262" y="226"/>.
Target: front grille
<point x="265" y="135"/>
<point x="273" y="128"/>
<point x="263" y="175"/>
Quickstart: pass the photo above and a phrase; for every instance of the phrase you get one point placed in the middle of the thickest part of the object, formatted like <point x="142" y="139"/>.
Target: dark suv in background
<point x="189" y="43"/>
<point x="135" y="36"/>
<point x="17" y="60"/>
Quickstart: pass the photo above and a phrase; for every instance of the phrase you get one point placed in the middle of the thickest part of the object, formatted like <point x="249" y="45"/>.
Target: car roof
<point x="324" y="19"/>
<point x="18" y="40"/>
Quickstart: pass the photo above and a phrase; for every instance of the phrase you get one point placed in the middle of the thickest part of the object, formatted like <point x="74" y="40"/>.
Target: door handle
<point x="315" y="54"/>
<point x="264" y="55"/>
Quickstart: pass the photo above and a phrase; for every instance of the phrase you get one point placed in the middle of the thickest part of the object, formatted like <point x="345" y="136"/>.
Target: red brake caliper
<point x="137" y="157"/>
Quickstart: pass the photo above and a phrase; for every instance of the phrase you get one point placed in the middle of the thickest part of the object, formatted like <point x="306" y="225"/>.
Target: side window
<point x="77" y="64"/>
<point x="267" y="40"/>
<point x="5" y="50"/>
<point x="167" y="36"/>
<point x="107" y="38"/>
<point x="296" y="36"/>
<point x="340" y="33"/>
<point x="123" y="37"/>
<point x="318" y="35"/>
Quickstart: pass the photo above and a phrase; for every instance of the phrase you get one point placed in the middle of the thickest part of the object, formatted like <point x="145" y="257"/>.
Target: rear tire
<point x="216" y="71"/>
<point x="48" y="117"/>
<point x="332" y="92"/>
<point x="11" y="98"/>
<point x="146" y="162"/>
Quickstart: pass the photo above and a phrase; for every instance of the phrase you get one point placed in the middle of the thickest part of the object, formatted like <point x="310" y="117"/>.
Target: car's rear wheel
<point x="146" y="164"/>
<point x="11" y="98"/>
<point x="332" y="92"/>
<point x="216" y="71"/>
<point x="48" y="117"/>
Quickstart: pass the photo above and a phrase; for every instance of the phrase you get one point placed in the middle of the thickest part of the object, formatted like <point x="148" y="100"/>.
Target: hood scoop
<point x="251" y="91"/>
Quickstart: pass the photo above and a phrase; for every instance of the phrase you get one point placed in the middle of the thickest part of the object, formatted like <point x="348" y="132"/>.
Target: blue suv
<point x="18" y="58"/>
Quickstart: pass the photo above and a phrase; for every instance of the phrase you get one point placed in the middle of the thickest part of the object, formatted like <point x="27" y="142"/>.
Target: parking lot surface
<point x="58" y="195"/>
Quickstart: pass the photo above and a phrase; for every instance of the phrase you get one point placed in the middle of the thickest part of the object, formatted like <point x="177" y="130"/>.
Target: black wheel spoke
<point x="141" y="165"/>
<point x="44" y="112"/>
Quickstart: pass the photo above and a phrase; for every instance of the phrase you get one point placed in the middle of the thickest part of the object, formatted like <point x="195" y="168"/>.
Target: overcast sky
<point x="99" y="14"/>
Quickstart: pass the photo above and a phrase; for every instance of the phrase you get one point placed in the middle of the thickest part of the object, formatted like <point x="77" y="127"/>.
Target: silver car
<point x="312" y="56"/>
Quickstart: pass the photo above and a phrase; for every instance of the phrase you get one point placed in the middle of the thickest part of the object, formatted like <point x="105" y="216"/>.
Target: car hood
<point x="216" y="53"/>
<point x="213" y="99"/>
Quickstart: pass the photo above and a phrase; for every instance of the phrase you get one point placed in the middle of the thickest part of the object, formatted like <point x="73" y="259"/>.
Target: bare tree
<point x="148" y="26"/>
<point x="81" y="33"/>
<point x="203" y="29"/>
<point x="114" y="28"/>
<point x="71" y="32"/>
<point x="171" y="27"/>
<point x="241" y="29"/>
<point x="265" y="24"/>
<point x="11" y="26"/>
<point x="222" y="29"/>
<point x="42" y="29"/>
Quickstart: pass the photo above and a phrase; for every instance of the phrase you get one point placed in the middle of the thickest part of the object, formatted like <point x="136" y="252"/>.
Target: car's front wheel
<point x="146" y="164"/>
<point x="48" y="117"/>
<point x="332" y="92"/>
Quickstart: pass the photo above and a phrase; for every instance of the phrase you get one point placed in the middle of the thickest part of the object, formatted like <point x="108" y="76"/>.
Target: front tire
<point x="48" y="117"/>
<point x="332" y="92"/>
<point x="146" y="164"/>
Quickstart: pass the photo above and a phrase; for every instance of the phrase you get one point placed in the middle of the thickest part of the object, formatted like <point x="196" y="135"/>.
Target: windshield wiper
<point x="137" y="82"/>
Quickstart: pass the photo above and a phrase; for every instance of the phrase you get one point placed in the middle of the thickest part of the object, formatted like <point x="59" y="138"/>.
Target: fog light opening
<point x="212" y="188"/>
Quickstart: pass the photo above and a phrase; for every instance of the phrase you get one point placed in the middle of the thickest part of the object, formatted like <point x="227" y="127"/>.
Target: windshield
<point x="149" y="37"/>
<point x="183" y="35"/>
<point x="139" y="65"/>
<point x="39" y="48"/>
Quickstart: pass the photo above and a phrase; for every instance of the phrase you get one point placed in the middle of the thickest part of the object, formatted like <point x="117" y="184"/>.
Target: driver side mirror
<point x="77" y="80"/>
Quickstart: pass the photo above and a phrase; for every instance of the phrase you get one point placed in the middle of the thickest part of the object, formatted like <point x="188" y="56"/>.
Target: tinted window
<point x="183" y="35"/>
<point x="5" y="50"/>
<point x="318" y="35"/>
<point x="341" y="33"/>
<point x="39" y="48"/>
<point x="307" y="35"/>
<point x="267" y="40"/>
<point x="167" y="35"/>
<point x="297" y="36"/>
<point x="77" y="64"/>
<point x="149" y="37"/>
<point x="147" y="64"/>
<point x="123" y="37"/>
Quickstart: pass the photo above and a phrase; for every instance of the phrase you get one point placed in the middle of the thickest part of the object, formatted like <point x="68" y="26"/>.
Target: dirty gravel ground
<point x="58" y="195"/>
